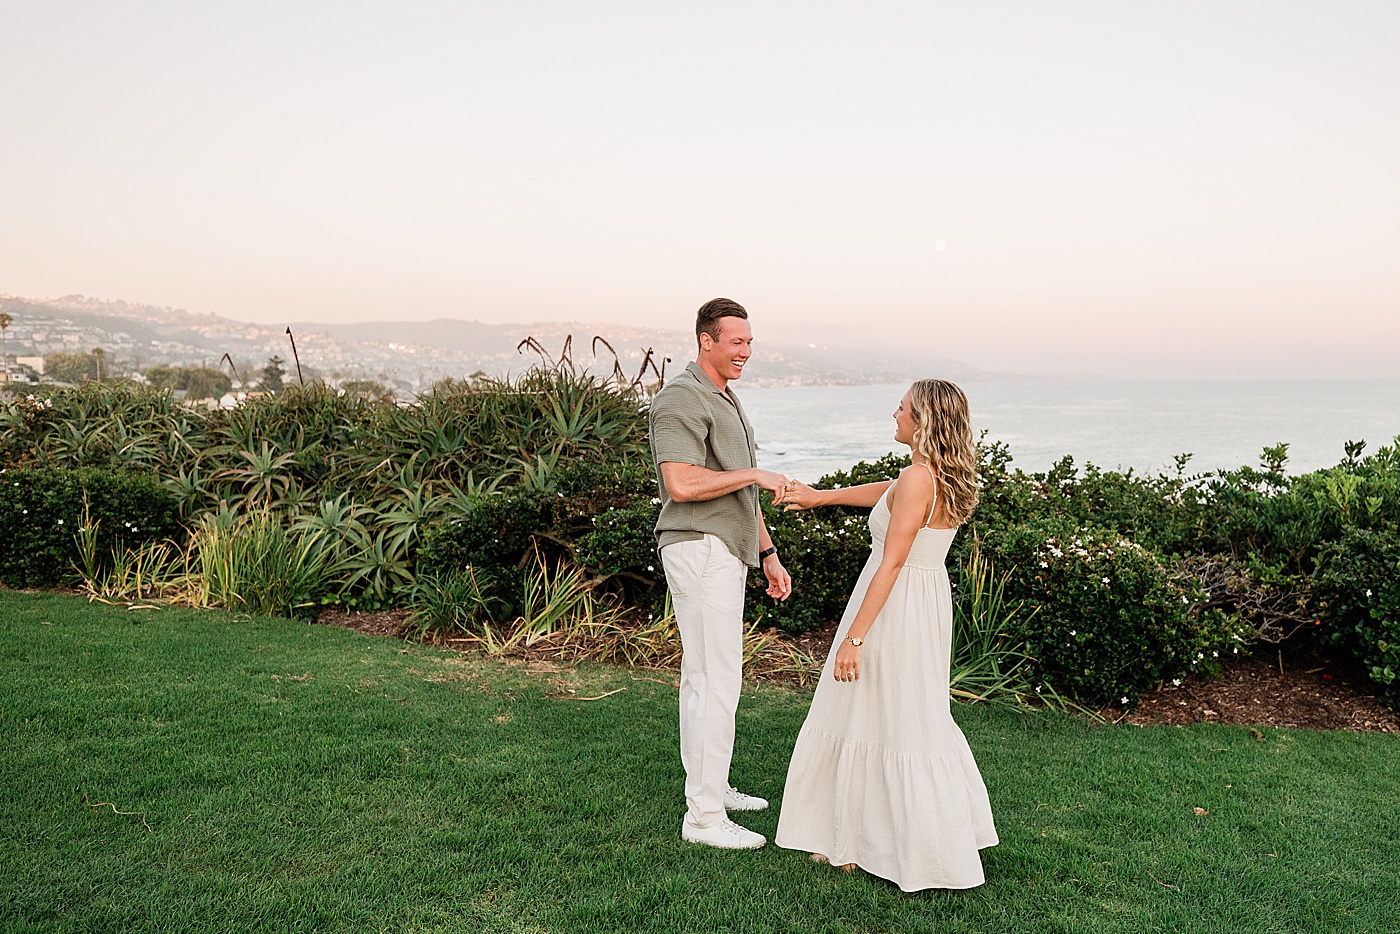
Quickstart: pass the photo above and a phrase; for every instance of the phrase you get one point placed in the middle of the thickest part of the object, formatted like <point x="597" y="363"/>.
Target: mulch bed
<point x="1272" y="688"/>
<point x="381" y="623"/>
<point x="1312" y="692"/>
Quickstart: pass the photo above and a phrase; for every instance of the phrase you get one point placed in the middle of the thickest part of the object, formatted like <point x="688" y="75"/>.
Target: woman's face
<point x="904" y="421"/>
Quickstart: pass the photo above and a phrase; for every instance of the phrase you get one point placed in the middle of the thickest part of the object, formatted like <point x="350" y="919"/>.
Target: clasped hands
<point x="793" y="495"/>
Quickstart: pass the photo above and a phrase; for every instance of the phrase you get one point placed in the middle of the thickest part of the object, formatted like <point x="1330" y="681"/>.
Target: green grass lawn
<point x="406" y="789"/>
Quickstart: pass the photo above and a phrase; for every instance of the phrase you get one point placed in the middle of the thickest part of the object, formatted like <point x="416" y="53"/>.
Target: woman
<point x="882" y="777"/>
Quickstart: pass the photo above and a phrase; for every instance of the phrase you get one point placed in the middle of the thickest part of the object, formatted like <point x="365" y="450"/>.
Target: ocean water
<point x="810" y="431"/>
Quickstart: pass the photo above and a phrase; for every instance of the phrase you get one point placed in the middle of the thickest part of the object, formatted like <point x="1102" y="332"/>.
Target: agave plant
<point x="264" y="477"/>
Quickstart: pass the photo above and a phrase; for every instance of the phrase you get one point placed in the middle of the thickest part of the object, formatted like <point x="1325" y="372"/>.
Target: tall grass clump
<point x="451" y="602"/>
<point x="255" y="563"/>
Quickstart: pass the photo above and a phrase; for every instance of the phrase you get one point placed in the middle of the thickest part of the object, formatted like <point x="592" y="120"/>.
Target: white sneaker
<point x="726" y="835"/>
<point x="736" y="800"/>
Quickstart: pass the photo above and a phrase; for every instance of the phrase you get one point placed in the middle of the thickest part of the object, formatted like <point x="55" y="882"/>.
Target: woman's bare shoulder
<point x="916" y="477"/>
<point x="914" y="486"/>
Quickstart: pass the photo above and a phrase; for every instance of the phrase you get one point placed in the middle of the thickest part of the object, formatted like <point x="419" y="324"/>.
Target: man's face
<point x="728" y="355"/>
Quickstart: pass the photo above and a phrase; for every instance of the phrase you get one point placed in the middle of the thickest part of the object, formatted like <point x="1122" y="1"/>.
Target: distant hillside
<point x="411" y="355"/>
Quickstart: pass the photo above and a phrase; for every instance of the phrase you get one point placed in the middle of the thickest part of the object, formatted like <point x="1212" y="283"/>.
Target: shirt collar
<point x="697" y="371"/>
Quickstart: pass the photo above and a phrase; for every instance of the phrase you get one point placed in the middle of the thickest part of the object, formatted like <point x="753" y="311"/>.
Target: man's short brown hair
<point x="707" y="318"/>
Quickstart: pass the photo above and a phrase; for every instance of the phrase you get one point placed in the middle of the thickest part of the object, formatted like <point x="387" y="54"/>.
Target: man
<point x="710" y="533"/>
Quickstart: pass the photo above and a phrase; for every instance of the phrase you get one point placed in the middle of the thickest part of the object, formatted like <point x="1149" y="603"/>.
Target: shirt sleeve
<point x="678" y="436"/>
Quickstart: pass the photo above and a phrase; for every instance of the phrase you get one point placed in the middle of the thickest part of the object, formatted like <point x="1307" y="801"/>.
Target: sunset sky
<point x="1156" y="189"/>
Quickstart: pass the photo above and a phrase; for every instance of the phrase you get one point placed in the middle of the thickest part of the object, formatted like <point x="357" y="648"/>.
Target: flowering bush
<point x="42" y="512"/>
<point x="1359" y="589"/>
<point x="1109" y="620"/>
<point x="622" y="540"/>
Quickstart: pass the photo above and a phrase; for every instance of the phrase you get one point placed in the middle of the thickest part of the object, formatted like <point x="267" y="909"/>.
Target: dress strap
<point x="934" y="477"/>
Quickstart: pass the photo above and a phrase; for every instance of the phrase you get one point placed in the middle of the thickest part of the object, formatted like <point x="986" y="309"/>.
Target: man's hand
<point x="779" y="580"/>
<point x="847" y="666"/>
<point x="774" y="483"/>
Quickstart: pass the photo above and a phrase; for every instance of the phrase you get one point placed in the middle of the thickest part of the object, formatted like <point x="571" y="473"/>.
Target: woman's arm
<point x="908" y="509"/>
<point x="801" y="496"/>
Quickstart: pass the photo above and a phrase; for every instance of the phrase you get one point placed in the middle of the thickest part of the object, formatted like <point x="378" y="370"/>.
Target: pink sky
<point x="1133" y="189"/>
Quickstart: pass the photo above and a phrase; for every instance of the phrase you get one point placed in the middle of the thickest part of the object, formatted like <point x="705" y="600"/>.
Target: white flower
<point x="26" y="512"/>
<point x="1214" y="654"/>
<point x="1368" y="592"/>
<point x="1104" y="579"/>
<point x="651" y="567"/>
<point x="60" y="521"/>
<point x="1125" y="700"/>
<point x="1072" y="632"/>
<point x="1046" y="565"/>
<point x="1176" y="682"/>
<point x="1235" y="650"/>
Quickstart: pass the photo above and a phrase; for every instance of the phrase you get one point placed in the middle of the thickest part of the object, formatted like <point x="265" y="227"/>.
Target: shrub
<point x="42" y="511"/>
<point x="622" y="540"/>
<point x="495" y="531"/>
<point x="823" y="549"/>
<point x="1164" y="512"/>
<point x="1358" y="584"/>
<point x="1109" y="621"/>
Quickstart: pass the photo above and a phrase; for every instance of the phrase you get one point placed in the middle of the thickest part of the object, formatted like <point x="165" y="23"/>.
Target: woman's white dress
<point x="881" y="775"/>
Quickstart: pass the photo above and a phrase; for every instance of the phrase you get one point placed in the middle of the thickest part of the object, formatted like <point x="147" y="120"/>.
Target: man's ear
<point x="706" y="341"/>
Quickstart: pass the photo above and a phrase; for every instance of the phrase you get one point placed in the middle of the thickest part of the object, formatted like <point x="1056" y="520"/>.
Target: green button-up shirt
<point x="694" y="422"/>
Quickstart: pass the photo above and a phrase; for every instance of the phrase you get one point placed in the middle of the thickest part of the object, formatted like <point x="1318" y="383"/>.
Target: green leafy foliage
<point x="375" y="497"/>
<point x="42" y="513"/>
<point x="491" y="531"/>
<point x="823" y="549"/>
<point x="622" y="541"/>
<point x="1359" y="590"/>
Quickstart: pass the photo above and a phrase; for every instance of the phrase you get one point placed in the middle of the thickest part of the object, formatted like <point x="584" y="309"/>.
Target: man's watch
<point x="855" y="642"/>
<point x="771" y="550"/>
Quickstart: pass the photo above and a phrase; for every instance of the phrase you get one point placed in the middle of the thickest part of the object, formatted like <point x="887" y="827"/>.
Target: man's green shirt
<point x="694" y="422"/>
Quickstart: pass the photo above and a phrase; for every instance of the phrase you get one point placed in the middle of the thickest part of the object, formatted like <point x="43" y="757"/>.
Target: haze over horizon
<point x="1156" y="189"/>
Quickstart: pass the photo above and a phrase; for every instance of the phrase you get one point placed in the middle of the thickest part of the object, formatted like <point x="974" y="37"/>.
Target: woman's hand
<point x="847" y="667"/>
<point x="798" y="496"/>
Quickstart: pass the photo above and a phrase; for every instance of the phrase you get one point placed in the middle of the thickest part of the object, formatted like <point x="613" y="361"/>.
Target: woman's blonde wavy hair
<point x="943" y="434"/>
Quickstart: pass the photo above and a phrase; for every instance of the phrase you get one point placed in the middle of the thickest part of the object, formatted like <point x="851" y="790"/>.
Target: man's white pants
<point x="707" y="592"/>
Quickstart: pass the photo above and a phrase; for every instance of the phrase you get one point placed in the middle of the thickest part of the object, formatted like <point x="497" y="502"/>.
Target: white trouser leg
<point x="707" y="591"/>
